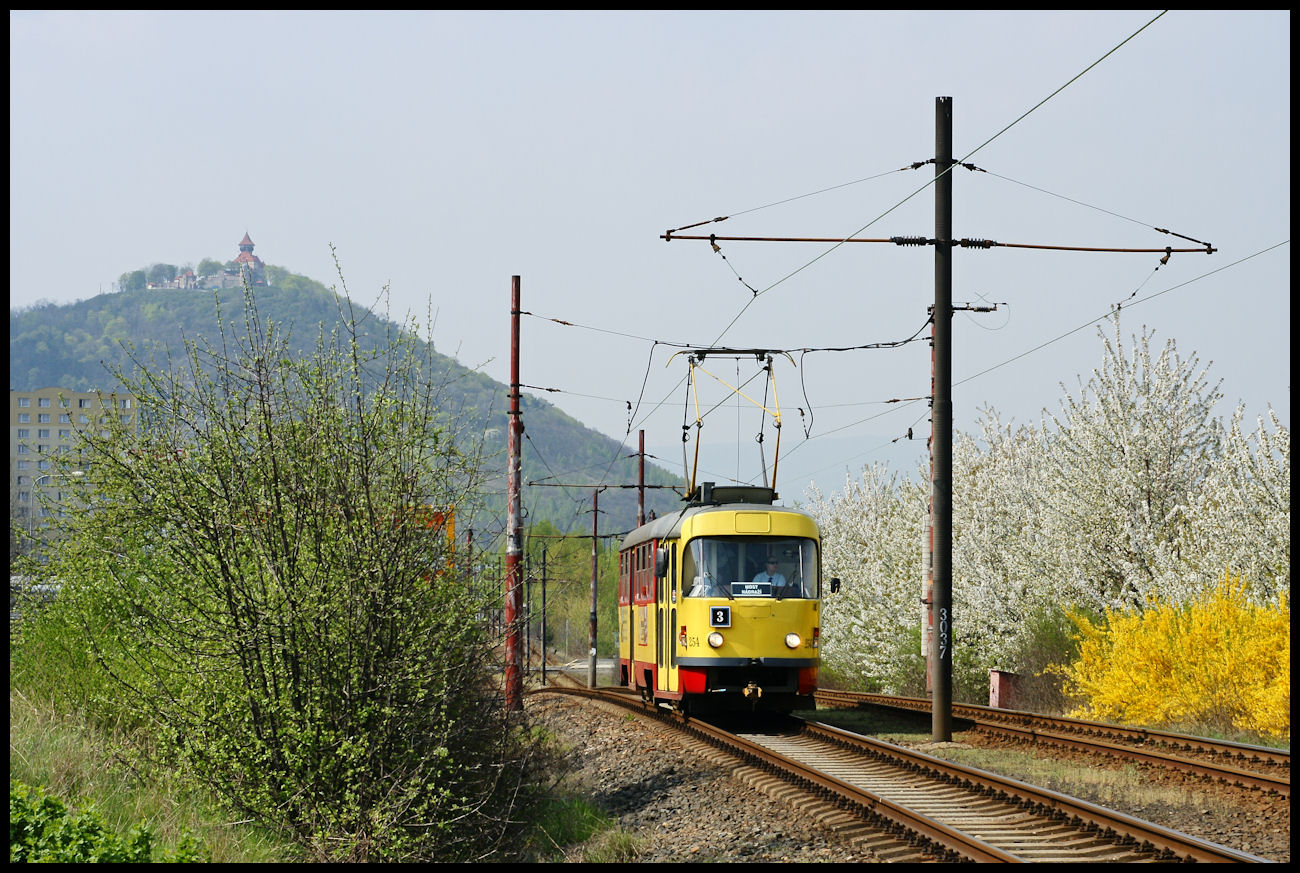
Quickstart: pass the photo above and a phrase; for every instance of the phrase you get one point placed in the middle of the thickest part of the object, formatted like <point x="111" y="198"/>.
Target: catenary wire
<point x="757" y="294"/>
<point x="1117" y="307"/>
<point x="943" y="172"/>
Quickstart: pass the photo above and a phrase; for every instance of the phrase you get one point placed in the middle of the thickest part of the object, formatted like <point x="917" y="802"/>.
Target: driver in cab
<point x="770" y="574"/>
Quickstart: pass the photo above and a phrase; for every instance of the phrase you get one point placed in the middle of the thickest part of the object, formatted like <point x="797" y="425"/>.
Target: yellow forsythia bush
<point x="1218" y="662"/>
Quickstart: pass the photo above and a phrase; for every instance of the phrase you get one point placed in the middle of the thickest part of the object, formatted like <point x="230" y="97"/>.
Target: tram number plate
<point x="720" y="616"/>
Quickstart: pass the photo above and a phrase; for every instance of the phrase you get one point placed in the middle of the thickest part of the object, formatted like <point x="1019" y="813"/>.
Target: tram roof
<point x="669" y="525"/>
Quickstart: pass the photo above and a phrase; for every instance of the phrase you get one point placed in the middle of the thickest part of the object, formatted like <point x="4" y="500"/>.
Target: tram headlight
<point x="793" y="641"/>
<point x="715" y="639"/>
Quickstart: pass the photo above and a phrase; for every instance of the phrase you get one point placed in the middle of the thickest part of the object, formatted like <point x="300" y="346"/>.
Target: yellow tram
<point x="719" y="604"/>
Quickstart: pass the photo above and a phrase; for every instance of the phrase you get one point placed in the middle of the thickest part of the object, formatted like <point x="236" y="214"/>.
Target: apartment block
<point x="45" y="423"/>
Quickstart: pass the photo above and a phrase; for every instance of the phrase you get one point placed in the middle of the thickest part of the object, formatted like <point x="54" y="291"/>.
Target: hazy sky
<point x="441" y="153"/>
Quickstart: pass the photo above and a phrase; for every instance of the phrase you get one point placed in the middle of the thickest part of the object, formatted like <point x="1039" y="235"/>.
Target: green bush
<point x="43" y="829"/>
<point x="970" y="673"/>
<point x="1049" y="644"/>
<point x="906" y="673"/>
<point x="256" y="582"/>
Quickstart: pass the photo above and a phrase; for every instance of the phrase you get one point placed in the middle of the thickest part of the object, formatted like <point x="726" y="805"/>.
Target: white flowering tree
<point x="1000" y="551"/>
<point x="871" y="540"/>
<point x="1125" y="458"/>
<point x="1239" y="519"/>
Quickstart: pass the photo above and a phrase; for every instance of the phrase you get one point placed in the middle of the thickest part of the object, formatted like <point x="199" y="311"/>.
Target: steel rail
<point x="881" y="811"/>
<point x="1031" y="727"/>
<point x="1162" y="839"/>
<point x="874" y="809"/>
<point x="1277" y="784"/>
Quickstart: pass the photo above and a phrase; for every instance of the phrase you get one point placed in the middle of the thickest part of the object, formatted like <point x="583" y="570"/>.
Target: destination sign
<point x="751" y="589"/>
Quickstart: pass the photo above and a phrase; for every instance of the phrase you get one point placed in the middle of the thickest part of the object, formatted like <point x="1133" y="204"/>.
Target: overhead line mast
<point x="513" y="606"/>
<point x="939" y="565"/>
<point x="940" y="594"/>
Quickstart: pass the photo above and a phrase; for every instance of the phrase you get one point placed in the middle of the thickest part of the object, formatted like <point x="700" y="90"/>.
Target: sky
<point x="439" y="154"/>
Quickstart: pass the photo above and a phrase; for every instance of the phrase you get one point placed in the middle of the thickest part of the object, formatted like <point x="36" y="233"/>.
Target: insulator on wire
<point x="909" y="240"/>
<point x="977" y="243"/>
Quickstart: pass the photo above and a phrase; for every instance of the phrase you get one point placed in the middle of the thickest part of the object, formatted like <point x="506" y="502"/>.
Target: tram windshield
<point x="739" y="566"/>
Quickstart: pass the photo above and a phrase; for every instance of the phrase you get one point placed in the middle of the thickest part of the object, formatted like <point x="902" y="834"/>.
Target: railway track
<point x="907" y="801"/>
<point x="1254" y="767"/>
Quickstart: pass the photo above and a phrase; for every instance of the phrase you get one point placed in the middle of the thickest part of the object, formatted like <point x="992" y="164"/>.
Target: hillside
<point x="74" y="346"/>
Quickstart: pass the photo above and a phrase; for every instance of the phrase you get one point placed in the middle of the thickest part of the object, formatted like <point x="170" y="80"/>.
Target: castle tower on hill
<point x="250" y="263"/>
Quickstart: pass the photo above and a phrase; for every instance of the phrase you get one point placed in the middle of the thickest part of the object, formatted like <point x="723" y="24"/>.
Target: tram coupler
<point x="752" y="690"/>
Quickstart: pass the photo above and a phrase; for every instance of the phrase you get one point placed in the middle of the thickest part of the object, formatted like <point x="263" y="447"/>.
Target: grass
<point x="72" y="761"/>
<point x="610" y="847"/>
<point x="69" y="759"/>
<point x="566" y="826"/>
<point x="570" y="828"/>
<point x="75" y="762"/>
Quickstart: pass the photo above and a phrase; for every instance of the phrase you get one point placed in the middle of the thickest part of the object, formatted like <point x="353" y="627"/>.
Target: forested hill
<point x="75" y="346"/>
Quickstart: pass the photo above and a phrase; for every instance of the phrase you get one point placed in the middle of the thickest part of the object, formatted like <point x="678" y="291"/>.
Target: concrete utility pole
<point x="514" y="691"/>
<point x="941" y="429"/>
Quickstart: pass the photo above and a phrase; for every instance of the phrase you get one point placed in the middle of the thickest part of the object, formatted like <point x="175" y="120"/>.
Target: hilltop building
<point x="245" y="263"/>
<point x="250" y="263"/>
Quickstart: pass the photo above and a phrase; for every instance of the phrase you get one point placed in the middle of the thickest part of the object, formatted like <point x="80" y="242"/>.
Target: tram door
<point x="645" y="612"/>
<point x="626" y="621"/>
<point x="665" y="624"/>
